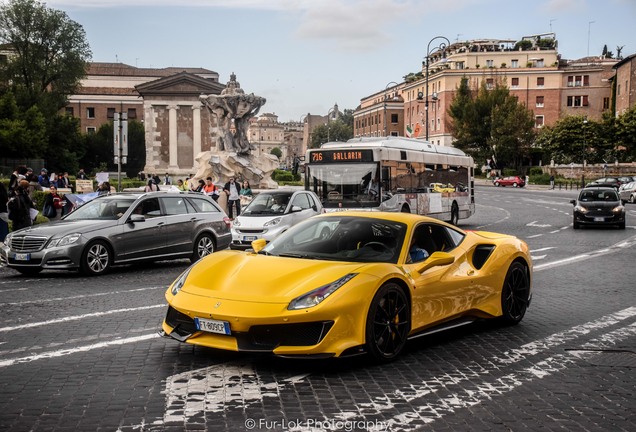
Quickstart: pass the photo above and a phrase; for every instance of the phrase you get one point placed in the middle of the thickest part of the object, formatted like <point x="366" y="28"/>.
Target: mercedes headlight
<point x="64" y="241"/>
<point x="273" y="222"/>
<point x="180" y="282"/>
<point x="315" y="297"/>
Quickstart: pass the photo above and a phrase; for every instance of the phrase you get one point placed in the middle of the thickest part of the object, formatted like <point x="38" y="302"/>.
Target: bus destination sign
<point x="331" y="156"/>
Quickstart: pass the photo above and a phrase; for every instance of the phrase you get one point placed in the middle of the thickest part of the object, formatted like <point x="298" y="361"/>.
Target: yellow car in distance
<point x="441" y="187"/>
<point x="348" y="283"/>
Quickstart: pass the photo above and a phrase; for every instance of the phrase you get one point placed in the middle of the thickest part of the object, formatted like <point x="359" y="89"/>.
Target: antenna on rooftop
<point x="554" y="19"/>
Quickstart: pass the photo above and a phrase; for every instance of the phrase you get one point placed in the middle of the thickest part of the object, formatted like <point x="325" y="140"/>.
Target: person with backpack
<point x="19" y="209"/>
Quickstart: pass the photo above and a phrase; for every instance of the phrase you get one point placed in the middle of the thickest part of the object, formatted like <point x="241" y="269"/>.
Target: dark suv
<point x="598" y="206"/>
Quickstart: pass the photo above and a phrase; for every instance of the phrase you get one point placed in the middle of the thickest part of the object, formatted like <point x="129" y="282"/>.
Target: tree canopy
<point x="489" y="121"/>
<point x="51" y="54"/>
<point x="340" y="129"/>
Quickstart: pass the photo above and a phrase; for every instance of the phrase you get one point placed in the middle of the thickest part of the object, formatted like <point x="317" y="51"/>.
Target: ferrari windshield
<point x="104" y="208"/>
<point x="341" y="238"/>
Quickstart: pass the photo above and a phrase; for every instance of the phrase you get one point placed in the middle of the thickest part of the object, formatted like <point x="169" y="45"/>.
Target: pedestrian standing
<point x="232" y="189"/>
<point x="552" y="182"/>
<point x="4" y="214"/>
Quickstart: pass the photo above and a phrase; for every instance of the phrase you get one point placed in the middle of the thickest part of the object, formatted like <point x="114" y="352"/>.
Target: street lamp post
<point x="328" y="118"/>
<point x="442" y="46"/>
<point x="385" y="89"/>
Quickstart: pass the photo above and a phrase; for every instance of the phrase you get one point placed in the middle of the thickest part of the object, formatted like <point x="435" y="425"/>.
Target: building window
<point x="540" y="81"/>
<point x="514" y="64"/>
<point x="459" y="65"/>
<point x="577" y="101"/>
<point x="540" y="101"/>
<point x="515" y="83"/>
<point x="90" y="112"/>
<point x="110" y="113"/>
<point x="606" y="103"/>
<point x="490" y="63"/>
<point x="132" y="113"/>
<point x="394" y="118"/>
<point x="538" y="121"/>
<point x="489" y="83"/>
<point x="539" y="63"/>
<point x="394" y="133"/>
<point x="90" y="130"/>
<point x="618" y="90"/>
<point x="69" y="111"/>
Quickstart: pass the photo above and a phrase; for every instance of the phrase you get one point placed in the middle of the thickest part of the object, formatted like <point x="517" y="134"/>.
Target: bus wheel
<point x="454" y="214"/>
<point x="405" y="209"/>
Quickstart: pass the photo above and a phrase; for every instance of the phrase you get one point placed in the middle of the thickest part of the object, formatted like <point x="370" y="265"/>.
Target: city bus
<point x="392" y="174"/>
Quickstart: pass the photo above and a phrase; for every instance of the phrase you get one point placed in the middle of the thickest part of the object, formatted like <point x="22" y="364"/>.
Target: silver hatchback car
<point x="119" y="229"/>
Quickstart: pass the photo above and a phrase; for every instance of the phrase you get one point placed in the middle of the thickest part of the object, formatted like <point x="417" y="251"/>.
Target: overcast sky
<point x="305" y="55"/>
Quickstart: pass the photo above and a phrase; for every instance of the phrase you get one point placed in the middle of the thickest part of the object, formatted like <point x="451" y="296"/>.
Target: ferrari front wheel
<point x="515" y="294"/>
<point x="388" y="323"/>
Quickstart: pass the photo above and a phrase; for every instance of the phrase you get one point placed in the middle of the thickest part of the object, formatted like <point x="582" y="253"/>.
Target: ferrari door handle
<point x="470" y="272"/>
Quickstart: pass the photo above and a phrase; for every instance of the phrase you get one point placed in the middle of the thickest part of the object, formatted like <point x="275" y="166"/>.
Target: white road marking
<point x="543" y="249"/>
<point x="535" y="224"/>
<point x="538" y="257"/>
<point x="221" y="387"/>
<point x="507" y="213"/>
<point x="80" y="296"/>
<point x="534" y="236"/>
<point x="77" y="317"/>
<point x="69" y="351"/>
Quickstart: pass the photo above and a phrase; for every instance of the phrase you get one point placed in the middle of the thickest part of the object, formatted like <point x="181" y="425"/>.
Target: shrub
<point x="536" y="171"/>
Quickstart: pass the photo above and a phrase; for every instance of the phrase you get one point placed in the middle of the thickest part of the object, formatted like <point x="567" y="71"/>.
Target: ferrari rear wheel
<point x="515" y="294"/>
<point x="388" y="323"/>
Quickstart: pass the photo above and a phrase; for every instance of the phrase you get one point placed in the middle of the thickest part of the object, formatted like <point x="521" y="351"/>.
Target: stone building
<point x="177" y="128"/>
<point x="625" y="84"/>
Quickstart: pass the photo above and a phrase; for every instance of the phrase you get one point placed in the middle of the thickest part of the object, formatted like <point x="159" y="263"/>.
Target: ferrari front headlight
<point x="315" y="297"/>
<point x="64" y="241"/>
<point x="180" y="282"/>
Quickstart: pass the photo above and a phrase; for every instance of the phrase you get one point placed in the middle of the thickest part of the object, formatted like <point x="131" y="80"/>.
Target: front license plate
<point x="212" y="326"/>
<point x="22" y="256"/>
<point x="249" y="238"/>
<point x="599" y="219"/>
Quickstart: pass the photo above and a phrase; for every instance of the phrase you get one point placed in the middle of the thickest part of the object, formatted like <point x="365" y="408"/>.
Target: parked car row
<point x="614" y="182"/>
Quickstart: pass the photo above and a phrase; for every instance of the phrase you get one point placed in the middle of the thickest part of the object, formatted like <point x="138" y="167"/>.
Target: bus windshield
<point x="346" y="185"/>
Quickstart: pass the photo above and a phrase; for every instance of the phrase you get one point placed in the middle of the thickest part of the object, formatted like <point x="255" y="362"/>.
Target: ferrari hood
<point x="234" y="275"/>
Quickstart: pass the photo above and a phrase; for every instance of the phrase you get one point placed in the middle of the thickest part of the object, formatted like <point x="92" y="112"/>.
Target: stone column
<point x="172" y="137"/>
<point x="196" y="133"/>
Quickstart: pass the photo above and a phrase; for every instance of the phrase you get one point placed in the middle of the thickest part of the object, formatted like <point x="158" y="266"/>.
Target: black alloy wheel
<point x="515" y="294"/>
<point x="388" y="323"/>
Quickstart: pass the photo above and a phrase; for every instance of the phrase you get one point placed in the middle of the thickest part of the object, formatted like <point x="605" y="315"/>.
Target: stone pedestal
<point x="222" y="165"/>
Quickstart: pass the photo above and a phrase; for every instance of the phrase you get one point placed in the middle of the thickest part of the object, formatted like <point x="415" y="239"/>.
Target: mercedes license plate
<point x="212" y="326"/>
<point x="22" y="256"/>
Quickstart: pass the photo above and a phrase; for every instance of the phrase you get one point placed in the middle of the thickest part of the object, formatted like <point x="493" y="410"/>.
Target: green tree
<point x="490" y="121"/>
<point x="337" y="131"/>
<point x="277" y="152"/>
<point x="50" y="54"/>
<point x="626" y="134"/>
<point x="573" y="139"/>
<point x="22" y="134"/>
<point x="99" y="148"/>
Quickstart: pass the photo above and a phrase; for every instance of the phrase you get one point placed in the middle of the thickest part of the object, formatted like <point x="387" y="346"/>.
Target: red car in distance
<point x="514" y="181"/>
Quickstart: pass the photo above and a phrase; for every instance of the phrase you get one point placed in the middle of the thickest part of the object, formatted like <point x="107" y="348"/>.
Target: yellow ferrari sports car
<point x="349" y="283"/>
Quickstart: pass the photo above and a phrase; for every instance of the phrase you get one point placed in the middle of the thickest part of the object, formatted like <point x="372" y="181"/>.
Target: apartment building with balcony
<point x="531" y="68"/>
